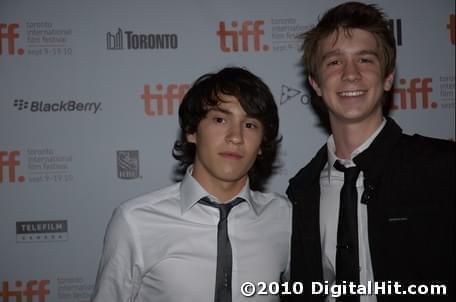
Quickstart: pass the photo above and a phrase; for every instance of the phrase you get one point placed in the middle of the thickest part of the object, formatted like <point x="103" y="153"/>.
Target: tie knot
<point x="224" y="208"/>
<point x="350" y="173"/>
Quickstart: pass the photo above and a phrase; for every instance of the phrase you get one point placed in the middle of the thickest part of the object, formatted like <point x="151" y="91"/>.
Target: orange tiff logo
<point x="231" y="39"/>
<point x="9" y="35"/>
<point x="407" y="97"/>
<point x="165" y="96"/>
<point x="33" y="288"/>
<point x="8" y="163"/>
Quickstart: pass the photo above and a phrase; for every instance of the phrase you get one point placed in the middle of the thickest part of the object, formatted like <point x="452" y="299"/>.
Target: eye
<point x="365" y="60"/>
<point x="251" y="125"/>
<point x="333" y="62"/>
<point x="218" y="119"/>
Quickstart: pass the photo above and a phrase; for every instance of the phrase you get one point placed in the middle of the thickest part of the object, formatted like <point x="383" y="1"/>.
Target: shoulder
<point x="271" y="197"/>
<point x="310" y="172"/>
<point x="427" y="148"/>
<point x="429" y="143"/>
<point x="419" y="157"/>
<point x="150" y="201"/>
<point x="272" y="203"/>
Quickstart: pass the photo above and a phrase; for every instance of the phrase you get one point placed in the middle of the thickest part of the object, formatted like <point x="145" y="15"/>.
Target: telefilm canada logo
<point x="128" y="39"/>
<point x="57" y="106"/>
<point x="41" y="231"/>
<point x="128" y="164"/>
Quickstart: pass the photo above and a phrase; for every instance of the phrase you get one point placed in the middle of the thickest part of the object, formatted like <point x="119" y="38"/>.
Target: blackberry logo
<point x="58" y="106"/>
<point x="20" y="104"/>
<point x="128" y="164"/>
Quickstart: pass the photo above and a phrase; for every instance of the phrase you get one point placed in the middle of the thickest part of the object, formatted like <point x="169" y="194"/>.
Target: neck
<point x="224" y="191"/>
<point x="349" y="136"/>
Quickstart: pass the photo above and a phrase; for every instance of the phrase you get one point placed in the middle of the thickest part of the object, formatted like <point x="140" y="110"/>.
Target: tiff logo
<point x="114" y="41"/>
<point x="452" y="28"/>
<point x="128" y="164"/>
<point x="396" y="29"/>
<point x="33" y="289"/>
<point x="230" y="39"/>
<point x="9" y="162"/>
<point x="408" y="96"/>
<point x="8" y="34"/>
<point x="154" y="103"/>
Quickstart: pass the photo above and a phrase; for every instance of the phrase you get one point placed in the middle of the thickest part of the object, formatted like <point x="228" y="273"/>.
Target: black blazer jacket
<point x="410" y="196"/>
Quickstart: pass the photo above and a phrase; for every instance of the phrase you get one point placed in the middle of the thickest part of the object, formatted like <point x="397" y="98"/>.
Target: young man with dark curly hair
<point x="200" y="239"/>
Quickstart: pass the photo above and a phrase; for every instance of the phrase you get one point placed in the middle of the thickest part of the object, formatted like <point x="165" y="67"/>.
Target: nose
<point x="351" y="72"/>
<point x="234" y="135"/>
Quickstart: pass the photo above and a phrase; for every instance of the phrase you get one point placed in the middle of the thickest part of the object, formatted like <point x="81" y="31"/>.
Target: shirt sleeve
<point x="118" y="278"/>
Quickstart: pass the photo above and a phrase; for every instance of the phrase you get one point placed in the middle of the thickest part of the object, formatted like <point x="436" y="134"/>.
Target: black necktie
<point x="347" y="254"/>
<point x="224" y="255"/>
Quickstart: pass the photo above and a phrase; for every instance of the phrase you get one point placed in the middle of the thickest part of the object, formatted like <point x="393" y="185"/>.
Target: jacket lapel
<point x="304" y="191"/>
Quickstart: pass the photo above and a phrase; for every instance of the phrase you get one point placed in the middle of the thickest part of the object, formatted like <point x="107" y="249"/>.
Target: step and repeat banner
<point x="89" y="92"/>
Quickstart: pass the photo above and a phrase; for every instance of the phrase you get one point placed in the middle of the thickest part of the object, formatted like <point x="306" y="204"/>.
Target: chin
<point x="231" y="176"/>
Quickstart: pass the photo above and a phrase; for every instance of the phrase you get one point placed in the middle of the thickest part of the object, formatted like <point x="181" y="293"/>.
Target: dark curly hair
<point x="254" y="97"/>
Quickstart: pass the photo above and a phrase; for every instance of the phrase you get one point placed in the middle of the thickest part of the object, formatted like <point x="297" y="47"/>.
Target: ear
<point x="389" y="80"/>
<point x="314" y="85"/>
<point x="260" y="152"/>
<point x="191" y="137"/>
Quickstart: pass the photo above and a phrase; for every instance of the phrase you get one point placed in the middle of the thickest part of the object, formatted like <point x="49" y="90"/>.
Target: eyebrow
<point x="225" y="111"/>
<point x="337" y="52"/>
<point x="218" y="109"/>
<point x="368" y="52"/>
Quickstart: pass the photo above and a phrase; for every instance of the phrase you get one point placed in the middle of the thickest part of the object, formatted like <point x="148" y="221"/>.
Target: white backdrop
<point x="81" y="86"/>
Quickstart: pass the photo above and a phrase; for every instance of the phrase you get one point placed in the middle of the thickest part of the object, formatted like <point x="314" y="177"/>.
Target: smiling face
<point x="227" y="143"/>
<point x="350" y="80"/>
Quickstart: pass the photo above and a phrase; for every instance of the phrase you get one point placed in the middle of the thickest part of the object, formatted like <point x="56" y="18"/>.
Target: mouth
<point x="231" y="155"/>
<point x="351" y="93"/>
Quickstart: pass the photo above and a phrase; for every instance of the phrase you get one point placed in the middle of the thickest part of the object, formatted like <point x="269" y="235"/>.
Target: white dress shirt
<point x="162" y="247"/>
<point x="331" y="182"/>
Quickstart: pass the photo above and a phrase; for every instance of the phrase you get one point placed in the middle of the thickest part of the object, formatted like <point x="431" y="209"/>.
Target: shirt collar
<point x="331" y="146"/>
<point x="191" y="192"/>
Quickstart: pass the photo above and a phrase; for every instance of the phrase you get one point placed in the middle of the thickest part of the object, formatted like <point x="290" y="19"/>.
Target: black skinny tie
<point x="347" y="254"/>
<point x="224" y="254"/>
